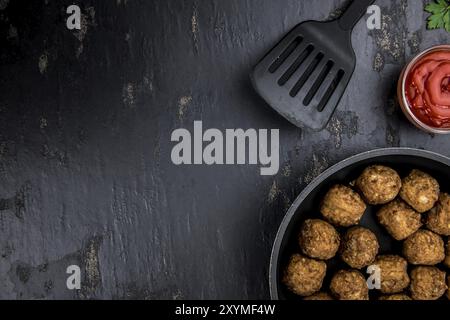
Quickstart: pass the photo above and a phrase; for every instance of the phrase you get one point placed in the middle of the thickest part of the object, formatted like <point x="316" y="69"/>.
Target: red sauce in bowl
<point x="427" y="89"/>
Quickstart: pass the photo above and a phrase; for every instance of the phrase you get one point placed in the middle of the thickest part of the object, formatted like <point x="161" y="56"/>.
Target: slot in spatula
<point x="305" y="75"/>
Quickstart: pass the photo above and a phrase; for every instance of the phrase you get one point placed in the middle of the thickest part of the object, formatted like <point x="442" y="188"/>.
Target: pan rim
<point x="405" y="151"/>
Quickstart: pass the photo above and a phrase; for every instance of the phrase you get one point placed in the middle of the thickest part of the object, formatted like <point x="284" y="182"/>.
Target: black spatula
<point x="305" y="75"/>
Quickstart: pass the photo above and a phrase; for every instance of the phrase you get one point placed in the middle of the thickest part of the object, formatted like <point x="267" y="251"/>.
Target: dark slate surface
<point x="85" y="124"/>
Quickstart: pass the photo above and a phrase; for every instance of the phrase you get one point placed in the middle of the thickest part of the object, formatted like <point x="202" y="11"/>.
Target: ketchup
<point x="428" y="89"/>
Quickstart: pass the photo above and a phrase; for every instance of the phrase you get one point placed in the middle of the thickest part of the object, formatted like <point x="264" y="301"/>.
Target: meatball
<point x="438" y="219"/>
<point x="424" y="247"/>
<point x="399" y="219"/>
<point x="396" y="297"/>
<point x="427" y="283"/>
<point x="342" y="206"/>
<point x="393" y="273"/>
<point x="320" y="296"/>
<point x="420" y="191"/>
<point x="319" y="239"/>
<point x="304" y="276"/>
<point x="349" y="285"/>
<point x="359" y="247"/>
<point x="447" y="257"/>
<point x="379" y="184"/>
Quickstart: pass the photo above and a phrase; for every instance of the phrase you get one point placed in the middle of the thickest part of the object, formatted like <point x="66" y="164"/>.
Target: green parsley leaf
<point x="436" y="21"/>
<point x="433" y="8"/>
<point x="447" y="21"/>
<point x="440" y="14"/>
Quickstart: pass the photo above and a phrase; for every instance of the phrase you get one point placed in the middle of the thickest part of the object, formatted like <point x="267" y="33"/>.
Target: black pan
<point x="307" y="205"/>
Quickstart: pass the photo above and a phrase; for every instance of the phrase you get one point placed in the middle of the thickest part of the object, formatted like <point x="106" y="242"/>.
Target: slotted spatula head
<point x="305" y="75"/>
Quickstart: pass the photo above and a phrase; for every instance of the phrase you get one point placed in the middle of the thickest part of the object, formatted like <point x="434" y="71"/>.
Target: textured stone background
<point x="85" y="124"/>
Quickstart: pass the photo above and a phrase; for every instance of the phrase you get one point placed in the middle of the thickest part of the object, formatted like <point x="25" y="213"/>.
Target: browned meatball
<point x="320" y="296"/>
<point x="427" y="283"/>
<point x="379" y="184"/>
<point x="399" y="219"/>
<point x="424" y="247"/>
<point x="342" y="206"/>
<point x="349" y="285"/>
<point x="359" y="247"/>
<point x="438" y="219"/>
<point x="420" y="191"/>
<point x="447" y="257"/>
<point x="396" y="297"/>
<point x="319" y="239"/>
<point x="304" y="276"/>
<point x="393" y="273"/>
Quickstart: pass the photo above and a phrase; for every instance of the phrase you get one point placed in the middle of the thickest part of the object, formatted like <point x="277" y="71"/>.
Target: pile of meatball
<point x="412" y="210"/>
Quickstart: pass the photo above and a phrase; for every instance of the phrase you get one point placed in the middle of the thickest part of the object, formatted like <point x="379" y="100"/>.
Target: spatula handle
<point x="353" y="13"/>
